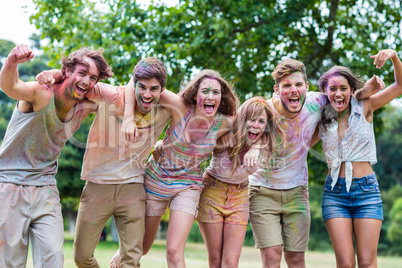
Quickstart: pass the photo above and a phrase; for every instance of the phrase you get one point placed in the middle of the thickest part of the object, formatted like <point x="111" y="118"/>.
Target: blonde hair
<point x="273" y="132"/>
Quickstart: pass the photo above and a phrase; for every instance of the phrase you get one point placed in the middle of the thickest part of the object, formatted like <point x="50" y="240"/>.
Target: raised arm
<point x="9" y="77"/>
<point x="371" y="87"/>
<point x="129" y="127"/>
<point x="385" y="96"/>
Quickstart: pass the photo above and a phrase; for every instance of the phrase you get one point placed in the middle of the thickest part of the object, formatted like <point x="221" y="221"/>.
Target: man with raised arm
<point x="113" y="168"/>
<point x="44" y="119"/>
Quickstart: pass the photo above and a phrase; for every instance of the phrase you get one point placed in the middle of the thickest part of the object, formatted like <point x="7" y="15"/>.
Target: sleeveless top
<point x="357" y="145"/>
<point x="287" y="167"/>
<point x="33" y="143"/>
<point x="179" y="167"/>
<point x="221" y="169"/>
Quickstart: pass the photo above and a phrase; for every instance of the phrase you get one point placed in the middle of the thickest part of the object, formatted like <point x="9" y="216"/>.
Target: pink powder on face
<point x="199" y="102"/>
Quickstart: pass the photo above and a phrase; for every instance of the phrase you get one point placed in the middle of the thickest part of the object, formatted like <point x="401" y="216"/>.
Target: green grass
<point x="196" y="256"/>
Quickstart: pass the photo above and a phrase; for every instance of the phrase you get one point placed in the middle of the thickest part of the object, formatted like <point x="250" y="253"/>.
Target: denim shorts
<point x="362" y="201"/>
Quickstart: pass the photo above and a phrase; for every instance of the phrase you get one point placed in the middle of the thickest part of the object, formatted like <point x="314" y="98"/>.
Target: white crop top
<point x="357" y="145"/>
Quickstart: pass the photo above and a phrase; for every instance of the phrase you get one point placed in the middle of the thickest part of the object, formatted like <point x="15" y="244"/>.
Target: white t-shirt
<point x="287" y="167"/>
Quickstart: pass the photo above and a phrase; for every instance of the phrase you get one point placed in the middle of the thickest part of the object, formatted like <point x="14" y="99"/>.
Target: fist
<point x="20" y="54"/>
<point x="45" y="78"/>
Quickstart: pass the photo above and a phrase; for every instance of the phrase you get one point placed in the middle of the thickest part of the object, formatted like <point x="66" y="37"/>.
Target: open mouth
<point x="146" y="103"/>
<point x="294" y="101"/>
<point x="80" y="91"/>
<point x="209" y="108"/>
<point x="252" y="134"/>
<point x="339" y="103"/>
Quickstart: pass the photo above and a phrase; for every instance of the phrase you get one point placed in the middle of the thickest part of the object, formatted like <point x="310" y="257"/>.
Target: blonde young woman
<point x="223" y="209"/>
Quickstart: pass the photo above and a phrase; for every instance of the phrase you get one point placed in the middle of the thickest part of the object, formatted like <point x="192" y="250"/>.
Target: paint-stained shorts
<point x="223" y="202"/>
<point x="362" y="201"/>
<point x="280" y="217"/>
<point x="185" y="200"/>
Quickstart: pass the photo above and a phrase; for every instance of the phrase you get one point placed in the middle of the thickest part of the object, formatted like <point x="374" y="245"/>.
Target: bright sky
<point x="14" y="20"/>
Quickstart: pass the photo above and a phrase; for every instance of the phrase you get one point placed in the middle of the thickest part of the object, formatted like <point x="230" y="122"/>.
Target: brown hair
<point x="229" y="101"/>
<point x="354" y="80"/>
<point x="273" y="132"/>
<point x="149" y="68"/>
<point x="288" y="67"/>
<point x="76" y="57"/>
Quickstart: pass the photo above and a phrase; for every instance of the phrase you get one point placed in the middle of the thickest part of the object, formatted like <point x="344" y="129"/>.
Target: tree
<point x="5" y="47"/>
<point x="389" y="144"/>
<point x="242" y="39"/>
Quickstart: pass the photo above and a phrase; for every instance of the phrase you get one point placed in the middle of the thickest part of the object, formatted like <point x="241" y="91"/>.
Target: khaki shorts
<point x="280" y="217"/>
<point x="185" y="200"/>
<point x="223" y="202"/>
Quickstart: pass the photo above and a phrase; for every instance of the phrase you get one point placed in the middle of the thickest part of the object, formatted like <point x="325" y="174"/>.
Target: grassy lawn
<point x="196" y="256"/>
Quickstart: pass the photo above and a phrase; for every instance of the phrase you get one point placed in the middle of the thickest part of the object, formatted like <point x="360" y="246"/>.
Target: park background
<point x="243" y="40"/>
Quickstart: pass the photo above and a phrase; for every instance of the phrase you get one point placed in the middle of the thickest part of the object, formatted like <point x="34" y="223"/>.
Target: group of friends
<point x="258" y="170"/>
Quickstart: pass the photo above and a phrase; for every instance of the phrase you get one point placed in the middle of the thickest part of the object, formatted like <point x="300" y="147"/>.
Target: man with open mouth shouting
<point x="44" y="119"/>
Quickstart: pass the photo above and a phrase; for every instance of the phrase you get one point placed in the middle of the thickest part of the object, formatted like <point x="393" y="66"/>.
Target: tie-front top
<point x="357" y="145"/>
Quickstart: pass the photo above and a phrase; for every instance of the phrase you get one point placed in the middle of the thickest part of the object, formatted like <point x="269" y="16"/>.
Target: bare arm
<point x="385" y="96"/>
<point x="50" y="77"/>
<point x="9" y="77"/>
<point x="371" y="87"/>
<point x="315" y="138"/>
<point x="129" y="127"/>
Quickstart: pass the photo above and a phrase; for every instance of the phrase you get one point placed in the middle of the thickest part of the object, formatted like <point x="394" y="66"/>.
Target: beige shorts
<point x="186" y="200"/>
<point x="280" y="217"/>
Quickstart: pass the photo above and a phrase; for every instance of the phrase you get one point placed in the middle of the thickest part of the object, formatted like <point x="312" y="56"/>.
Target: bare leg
<point x="151" y="230"/>
<point x="367" y="234"/>
<point x="179" y="227"/>
<point x="340" y="231"/>
<point x="271" y="256"/>
<point x="212" y="234"/>
<point x="233" y="238"/>
<point x="295" y="259"/>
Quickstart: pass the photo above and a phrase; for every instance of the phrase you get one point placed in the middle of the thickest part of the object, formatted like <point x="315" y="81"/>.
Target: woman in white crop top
<point x="351" y="205"/>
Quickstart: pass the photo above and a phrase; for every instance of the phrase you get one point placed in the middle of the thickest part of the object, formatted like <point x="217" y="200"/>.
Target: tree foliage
<point x="242" y="39"/>
<point x="389" y="144"/>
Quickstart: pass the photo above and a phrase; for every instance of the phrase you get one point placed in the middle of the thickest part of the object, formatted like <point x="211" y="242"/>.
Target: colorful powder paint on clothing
<point x="180" y="168"/>
<point x="288" y="166"/>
